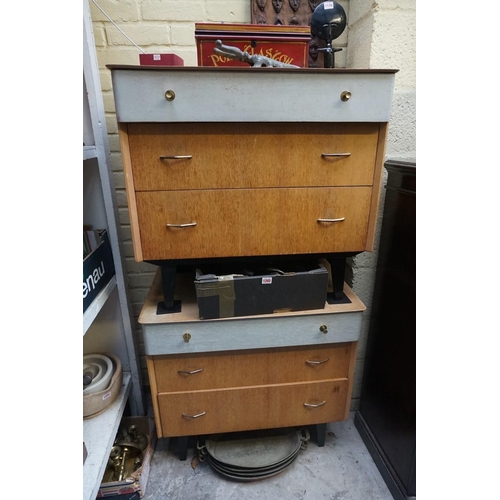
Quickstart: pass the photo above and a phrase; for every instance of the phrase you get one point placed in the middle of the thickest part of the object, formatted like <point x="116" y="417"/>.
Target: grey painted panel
<point x="252" y="333"/>
<point x="212" y="97"/>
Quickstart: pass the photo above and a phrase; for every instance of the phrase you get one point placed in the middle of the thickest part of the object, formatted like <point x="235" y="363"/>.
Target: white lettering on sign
<point x="328" y="5"/>
<point x="267" y="281"/>
<point x="156" y="57"/>
<point x="93" y="279"/>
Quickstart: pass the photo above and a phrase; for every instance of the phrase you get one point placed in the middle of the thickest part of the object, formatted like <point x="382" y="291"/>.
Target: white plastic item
<point x="101" y="368"/>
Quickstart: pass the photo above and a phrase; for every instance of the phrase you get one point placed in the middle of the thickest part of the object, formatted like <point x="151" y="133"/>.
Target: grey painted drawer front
<point x="252" y="333"/>
<point x="255" y="95"/>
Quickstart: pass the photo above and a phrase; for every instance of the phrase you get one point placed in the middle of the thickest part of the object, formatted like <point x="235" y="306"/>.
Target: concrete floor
<point x="341" y="470"/>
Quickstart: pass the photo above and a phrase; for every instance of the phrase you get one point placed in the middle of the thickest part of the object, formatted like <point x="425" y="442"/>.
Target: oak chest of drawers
<point x="232" y="163"/>
<point x="228" y="164"/>
<point x="248" y="373"/>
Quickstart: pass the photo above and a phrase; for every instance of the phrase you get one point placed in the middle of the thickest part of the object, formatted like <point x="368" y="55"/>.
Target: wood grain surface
<point x="248" y="368"/>
<point x="261" y="407"/>
<point x="249" y="222"/>
<point x="251" y="155"/>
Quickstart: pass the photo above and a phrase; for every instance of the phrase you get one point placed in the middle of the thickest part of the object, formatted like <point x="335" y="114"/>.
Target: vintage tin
<point x="287" y="44"/>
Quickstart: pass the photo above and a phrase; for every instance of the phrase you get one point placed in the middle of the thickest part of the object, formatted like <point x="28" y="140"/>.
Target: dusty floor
<point x="341" y="470"/>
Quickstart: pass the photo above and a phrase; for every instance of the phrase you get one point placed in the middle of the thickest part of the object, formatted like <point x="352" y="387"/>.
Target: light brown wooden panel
<point x="251" y="155"/>
<point x="249" y="368"/>
<point x="352" y="367"/>
<point x="229" y="410"/>
<point x="154" y="391"/>
<point x="377" y="183"/>
<point x="242" y="222"/>
<point x="130" y="190"/>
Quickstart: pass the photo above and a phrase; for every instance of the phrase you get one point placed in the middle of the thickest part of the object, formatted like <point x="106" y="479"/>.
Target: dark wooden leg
<point x="338" y="276"/>
<point x="169" y="305"/>
<point x="168" y="272"/>
<point x="182" y="444"/>
<point x="320" y="434"/>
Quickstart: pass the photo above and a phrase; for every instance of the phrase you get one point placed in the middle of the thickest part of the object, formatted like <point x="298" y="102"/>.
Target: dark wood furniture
<point x="387" y="413"/>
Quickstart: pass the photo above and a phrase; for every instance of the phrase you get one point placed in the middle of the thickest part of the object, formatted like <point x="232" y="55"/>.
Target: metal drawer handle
<point x="188" y="224"/>
<point x="176" y="157"/>
<point x="317" y="362"/>
<point x="332" y="220"/>
<point x="197" y="416"/>
<point x="328" y="155"/>
<point x="308" y="405"/>
<point x="186" y="372"/>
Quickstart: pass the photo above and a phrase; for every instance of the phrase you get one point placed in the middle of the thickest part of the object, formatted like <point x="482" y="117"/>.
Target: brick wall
<point x="168" y="26"/>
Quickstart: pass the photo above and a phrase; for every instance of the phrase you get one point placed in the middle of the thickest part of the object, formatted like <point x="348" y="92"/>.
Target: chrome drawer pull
<point x="194" y="416"/>
<point x="308" y="405"/>
<point x="176" y="157"/>
<point x="328" y="155"/>
<point x="332" y="220"/>
<point x="189" y="224"/>
<point x="317" y="362"/>
<point x="186" y="372"/>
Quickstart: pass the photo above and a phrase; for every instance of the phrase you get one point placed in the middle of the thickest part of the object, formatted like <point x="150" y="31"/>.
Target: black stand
<point x="318" y="434"/>
<point x="338" y="275"/>
<point x="168" y="273"/>
<point x="182" y="447"/>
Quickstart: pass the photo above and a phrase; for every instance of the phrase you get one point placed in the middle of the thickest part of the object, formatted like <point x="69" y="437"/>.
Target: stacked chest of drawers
<point x="258" y="372"/>
<point x="224" y="164"/>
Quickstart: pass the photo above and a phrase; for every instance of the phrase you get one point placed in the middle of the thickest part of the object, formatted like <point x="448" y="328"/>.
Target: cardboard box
<point x="138" y="481"/>
<point x="288" y="44"/>
<point x="243" y="290"/>
<point x="98" y="269"/>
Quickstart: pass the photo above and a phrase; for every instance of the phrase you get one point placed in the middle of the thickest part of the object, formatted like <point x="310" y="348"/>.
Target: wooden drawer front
<point x="237" y="369"/>
<point x="240" y="222"/>
<point x="251" y="155"/>
<point x="229" y="410"/>
<point x="213" y="95"/>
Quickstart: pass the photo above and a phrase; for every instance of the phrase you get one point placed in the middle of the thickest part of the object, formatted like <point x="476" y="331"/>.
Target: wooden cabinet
<point x="242" y="163"/>
<point x="246" y="373"/>
<point x="232" y="164"/>
<point x="386" y="418"/>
